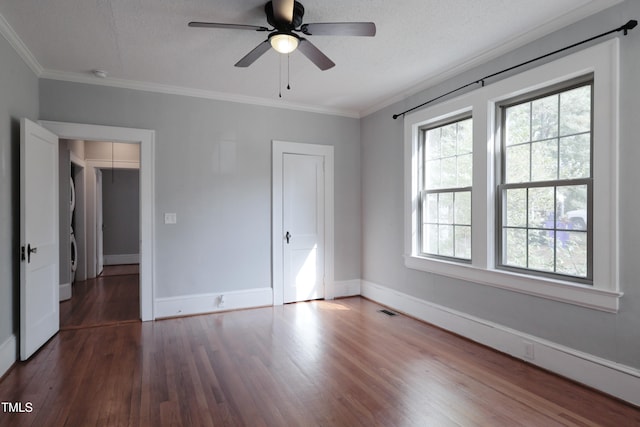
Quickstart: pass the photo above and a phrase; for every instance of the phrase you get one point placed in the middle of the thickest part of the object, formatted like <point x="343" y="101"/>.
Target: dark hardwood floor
<point x="111" y="298"/>
<point x="329" y="363"/>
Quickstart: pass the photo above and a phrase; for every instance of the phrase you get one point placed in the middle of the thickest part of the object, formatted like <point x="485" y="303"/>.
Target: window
<point x="546" y="183"/>
<point x="445" y="200"/>
<point x="540" y="149"/>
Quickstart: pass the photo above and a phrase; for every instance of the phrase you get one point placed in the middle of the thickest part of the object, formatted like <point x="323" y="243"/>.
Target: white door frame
<point x="146" y="139"/>
<point x="279" y="149"/>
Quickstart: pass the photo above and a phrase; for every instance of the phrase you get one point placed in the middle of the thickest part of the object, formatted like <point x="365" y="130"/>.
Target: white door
<point x="99" y="224"/>
<point x="303" y="227"/>
<point x="39" y="235"/>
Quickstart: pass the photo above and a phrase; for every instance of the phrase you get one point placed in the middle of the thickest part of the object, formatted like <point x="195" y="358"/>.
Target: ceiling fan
<point x="285" y="16"/>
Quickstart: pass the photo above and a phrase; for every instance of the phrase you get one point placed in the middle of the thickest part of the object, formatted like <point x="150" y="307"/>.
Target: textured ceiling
<point x="147" y="42"/>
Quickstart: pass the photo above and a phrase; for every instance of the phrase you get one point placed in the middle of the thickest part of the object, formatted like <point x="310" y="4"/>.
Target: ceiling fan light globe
<point x="284" y="43"/>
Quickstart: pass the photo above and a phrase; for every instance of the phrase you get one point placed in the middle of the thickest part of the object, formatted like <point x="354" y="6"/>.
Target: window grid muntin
<point x="503" y="187"/>
<point x="423" y="191"/>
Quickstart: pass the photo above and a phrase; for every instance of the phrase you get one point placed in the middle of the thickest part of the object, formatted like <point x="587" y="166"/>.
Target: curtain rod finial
<point x="629" y="26"/>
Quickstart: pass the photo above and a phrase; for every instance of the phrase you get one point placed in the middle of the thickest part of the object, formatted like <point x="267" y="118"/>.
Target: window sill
<point x="558" y="290"/>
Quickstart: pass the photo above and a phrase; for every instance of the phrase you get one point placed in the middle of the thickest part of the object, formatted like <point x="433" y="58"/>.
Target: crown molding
<point x="196" y="93"/>
<point x="487" y="55"/>
<point x="12" y="37"/>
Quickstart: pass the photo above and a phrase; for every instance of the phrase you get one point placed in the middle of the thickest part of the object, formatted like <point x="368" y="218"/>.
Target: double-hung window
<point x="445" y="201"/>
<point x="514" y="185"/>
<point x="546" y="185"/>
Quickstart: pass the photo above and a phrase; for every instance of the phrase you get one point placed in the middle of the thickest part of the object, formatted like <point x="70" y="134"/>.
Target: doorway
<point x="302" y="240"/>
<point x="146" y="140"/>
<point x="110" y="206"/>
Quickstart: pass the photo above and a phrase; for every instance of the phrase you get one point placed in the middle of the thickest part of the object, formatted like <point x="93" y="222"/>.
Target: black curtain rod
<point x="626" y="27"/>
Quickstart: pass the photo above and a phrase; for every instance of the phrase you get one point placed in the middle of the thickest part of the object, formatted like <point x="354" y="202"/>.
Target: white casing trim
<point x="120" y="259"/>
<point x="8" y="353"/>
<point x="607" y="376"/>
<point x="210" y="303"/>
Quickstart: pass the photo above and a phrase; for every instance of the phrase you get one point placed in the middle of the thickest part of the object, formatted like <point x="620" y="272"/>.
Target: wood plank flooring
<point x="320" y="363"/>
<point x="111" y="298"/>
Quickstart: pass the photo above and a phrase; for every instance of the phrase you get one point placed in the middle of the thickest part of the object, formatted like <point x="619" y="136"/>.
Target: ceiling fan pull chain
<point x="288" y="71"/>
<point x="280" y="78"/>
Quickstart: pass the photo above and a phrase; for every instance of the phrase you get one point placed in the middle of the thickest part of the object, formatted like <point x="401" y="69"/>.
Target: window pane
<point x="515" y="247"/>
<point x="572" y="253"/>
<point x="463" y="242"/>
<point x="432" y="144"/>
<point x="430" y="239"/>
<point x="449" y="173"/>
<point x="517" y="164"/>
<point x="465" y="170"/>
<point x="516" y="207"/>
<point x="445" y="240"/>
<point x="541" y="250"/>
<point x="518" y="124"/>
<point x="462" y="204"/>
<point x="572" y="207"/>
<point x="448" y="140"/>
<point x="541" y="207"/>
<point x="445" y="208"/>
<point x="575" y="156"/>
<point x="430" y="210"/>
<point x="544" y="118"/>
<point x="575" y="111"/>
<point x="432" y="174"/>
<point x="465" y="137"/>
<point x="544" y="160"/>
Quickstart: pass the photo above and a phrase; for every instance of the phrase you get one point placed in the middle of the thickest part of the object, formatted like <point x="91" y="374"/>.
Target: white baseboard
<point x="609" y="377"/>
<point x="343" y="288"/>
<point x="65" y="291"/>
<point x="121" y="259"/>
<point x="8" y="353"/>
<point x="209" y="303"/>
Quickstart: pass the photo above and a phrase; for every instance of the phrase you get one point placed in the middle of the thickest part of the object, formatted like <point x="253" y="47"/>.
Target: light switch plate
<point x="170" y="218"/>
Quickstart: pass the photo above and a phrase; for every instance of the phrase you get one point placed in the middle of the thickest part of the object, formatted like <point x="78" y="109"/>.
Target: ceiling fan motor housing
<point x="298" y="13"/>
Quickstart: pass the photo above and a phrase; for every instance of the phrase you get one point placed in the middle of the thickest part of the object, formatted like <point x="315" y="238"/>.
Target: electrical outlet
<point x="170" y="218"/>
<point x="528" y="350"/>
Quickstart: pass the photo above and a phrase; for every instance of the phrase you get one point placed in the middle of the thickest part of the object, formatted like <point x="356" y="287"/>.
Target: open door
<point x="39" y="234"/>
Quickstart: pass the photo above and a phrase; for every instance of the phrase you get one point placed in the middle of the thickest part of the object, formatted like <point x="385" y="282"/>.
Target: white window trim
<point x="603" y="61"/>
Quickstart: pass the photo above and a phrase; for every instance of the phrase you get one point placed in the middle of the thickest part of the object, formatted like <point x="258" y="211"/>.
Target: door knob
<point x="287" y="236"/>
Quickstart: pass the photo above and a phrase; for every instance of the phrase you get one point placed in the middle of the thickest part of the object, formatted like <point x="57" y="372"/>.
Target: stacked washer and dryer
<point x="74" y="246"/>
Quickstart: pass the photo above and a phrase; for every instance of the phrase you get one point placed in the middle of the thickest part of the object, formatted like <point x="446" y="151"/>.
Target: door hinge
<point x="22" y="253"/>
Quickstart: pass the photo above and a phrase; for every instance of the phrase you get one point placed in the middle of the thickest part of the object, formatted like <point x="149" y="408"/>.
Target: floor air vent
<point x="387" y="312"/>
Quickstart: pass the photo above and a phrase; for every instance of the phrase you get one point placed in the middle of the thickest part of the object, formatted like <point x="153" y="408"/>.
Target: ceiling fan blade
<point x="194" y="24"/>
<point x="256" y="53"/>
<point x="314" y="54"/>
<point x="283" y="10"/>
<point x="366" y="29"/>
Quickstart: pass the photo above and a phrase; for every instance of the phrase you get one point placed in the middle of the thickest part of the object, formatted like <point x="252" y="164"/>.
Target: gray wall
<point x="612" y="336"/>
<point x="18" y="98"/>
<point x="121" y="211"/>
<point x="222" y="240"/>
